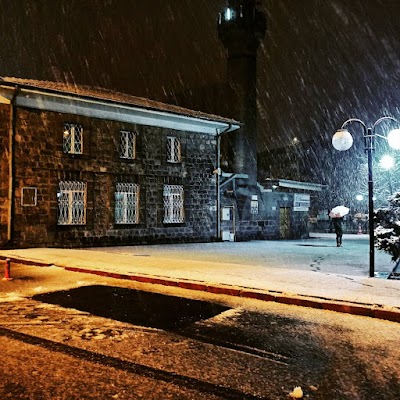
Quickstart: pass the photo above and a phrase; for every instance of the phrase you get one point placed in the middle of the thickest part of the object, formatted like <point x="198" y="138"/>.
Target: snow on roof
<point x="111" y="96"/>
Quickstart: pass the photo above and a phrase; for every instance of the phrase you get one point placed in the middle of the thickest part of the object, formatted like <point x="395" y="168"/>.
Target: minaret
<point x="241" y="27"/>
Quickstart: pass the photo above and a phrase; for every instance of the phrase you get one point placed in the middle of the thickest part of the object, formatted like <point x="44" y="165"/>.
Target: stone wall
<point x="41" y="164"/>
<point x="4" y="168"/>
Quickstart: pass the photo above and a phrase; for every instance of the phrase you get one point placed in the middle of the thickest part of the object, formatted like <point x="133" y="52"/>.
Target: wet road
<point x="124" y="343"/>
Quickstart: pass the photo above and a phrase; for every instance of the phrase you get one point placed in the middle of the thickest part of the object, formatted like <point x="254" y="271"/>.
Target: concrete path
<point x="310" y="272"/>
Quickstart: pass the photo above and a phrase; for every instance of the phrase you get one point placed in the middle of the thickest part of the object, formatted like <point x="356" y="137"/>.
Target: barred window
<point x="127" y="145"/>
<point x="71" y="203"/>
<point x="173" y="204"/>
<point x="173" y="149"/>
<point x="127" y="203"/>
<point x="73" y="139"/>
<point x="254" y="207"/>
<point x="254" y="204"/>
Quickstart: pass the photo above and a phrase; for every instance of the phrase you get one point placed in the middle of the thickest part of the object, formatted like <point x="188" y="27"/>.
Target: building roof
<point x="78" y="95"/>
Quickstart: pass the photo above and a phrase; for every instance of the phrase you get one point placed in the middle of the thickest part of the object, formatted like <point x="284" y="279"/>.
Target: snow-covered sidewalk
<point x="247" y="277"/>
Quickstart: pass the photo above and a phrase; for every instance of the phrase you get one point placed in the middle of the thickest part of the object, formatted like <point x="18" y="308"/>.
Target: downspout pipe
<point x="219" y="134"/>
<point x="11" y="166"/>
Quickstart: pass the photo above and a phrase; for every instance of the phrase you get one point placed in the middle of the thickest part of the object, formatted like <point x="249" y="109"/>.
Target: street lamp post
<point x="342" y="140"/>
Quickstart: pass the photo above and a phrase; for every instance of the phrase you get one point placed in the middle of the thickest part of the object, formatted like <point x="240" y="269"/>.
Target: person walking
<point x="337" y="225"/>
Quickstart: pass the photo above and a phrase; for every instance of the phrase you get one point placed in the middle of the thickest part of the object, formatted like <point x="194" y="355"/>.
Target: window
<point x="127" y="203"/>
<point x="173" y="149"/>
<point x="254" y="204"/>
<point x="72" y="203"/>
<point x="173" y="204"/>
<point x="127" y="145"/>
<point x="73" y="139"/>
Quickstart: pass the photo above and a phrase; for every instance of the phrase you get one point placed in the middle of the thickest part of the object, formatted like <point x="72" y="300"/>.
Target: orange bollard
<point x="7" y="270"/>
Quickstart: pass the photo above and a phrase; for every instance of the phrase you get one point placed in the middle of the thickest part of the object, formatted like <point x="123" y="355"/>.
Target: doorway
<point x="284" y="222"/>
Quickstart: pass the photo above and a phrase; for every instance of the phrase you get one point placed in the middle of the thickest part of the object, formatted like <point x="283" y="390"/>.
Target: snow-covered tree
<point x="387" y="231"/>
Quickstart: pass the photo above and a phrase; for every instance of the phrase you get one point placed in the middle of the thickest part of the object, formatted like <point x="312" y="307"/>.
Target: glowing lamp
<point x="342" y="140"/>
<point x="387" y="162"/>
<point x="393" y="138"/>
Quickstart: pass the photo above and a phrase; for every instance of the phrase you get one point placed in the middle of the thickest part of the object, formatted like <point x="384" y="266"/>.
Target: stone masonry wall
<point x="4" y="167"/>
<point x="41" y="164"/>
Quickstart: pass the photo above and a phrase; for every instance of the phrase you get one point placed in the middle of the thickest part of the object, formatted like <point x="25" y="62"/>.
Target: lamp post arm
<point x="350" y="120"/>
<point x="378" y="121"/>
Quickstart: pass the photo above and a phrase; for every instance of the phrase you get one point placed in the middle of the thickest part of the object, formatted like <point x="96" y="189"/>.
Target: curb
<point x="362" y="309"/>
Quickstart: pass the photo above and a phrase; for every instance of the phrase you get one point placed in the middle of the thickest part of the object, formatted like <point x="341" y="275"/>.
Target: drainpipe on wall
<point x="219" y="134"/>
<point x="11" y="140"/>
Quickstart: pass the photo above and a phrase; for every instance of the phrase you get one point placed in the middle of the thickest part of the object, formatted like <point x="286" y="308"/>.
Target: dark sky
<point x="321" y="62"/>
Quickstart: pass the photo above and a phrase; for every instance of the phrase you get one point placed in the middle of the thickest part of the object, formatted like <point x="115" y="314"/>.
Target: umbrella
<point x="339" y="211"/>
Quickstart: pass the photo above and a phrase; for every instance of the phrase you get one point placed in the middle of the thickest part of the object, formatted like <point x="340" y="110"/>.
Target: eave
<point x="45" y="100"/>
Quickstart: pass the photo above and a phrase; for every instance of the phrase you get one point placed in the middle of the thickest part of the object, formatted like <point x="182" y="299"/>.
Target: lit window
<point x="173" y="149"/>
<point x="73" y="139"/>
<point x="127" y="145"/>
<point x="173" y="204"/>
<point x="127" y="203"/>
<point x="71" y="203"/>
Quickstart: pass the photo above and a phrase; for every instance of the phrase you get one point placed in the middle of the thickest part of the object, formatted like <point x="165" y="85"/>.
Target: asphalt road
<point x="226" y="350"/>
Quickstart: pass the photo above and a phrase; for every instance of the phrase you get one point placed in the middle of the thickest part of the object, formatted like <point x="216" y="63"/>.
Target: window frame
<point x="72" y="203"/>
<point x="125" y="139"/>
<point x="30" y="193"/>
<point x="173" y="204"/>
<point x="127" y="191"/>
<point x="174" y="150"/>
<point x="73" y="138"/>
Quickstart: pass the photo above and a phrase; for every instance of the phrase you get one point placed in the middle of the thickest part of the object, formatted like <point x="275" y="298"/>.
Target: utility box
<point x="228" y="236"/>
<point x="226" y="213"/>
<point x="225" y="236"/>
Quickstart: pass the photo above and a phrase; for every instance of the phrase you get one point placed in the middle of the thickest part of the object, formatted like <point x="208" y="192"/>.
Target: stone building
<point x="82" y="167"/>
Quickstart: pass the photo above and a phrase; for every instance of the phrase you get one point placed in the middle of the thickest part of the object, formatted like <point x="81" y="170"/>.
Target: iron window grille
<point x="73" y="139"/>
<point x="174" y="154"/>
<point x="127" y="203"/>
<point x="72" y="203"/>
<point x="127" y="145"/>
<point x="173" y="204"/>
<point x="254" y="207"/>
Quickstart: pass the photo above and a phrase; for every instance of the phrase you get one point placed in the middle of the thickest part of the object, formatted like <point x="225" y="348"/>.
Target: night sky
<point x="322" y="61"/>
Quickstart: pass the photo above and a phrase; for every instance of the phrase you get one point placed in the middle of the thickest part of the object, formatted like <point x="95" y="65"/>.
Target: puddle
<point x="134" y="306"/>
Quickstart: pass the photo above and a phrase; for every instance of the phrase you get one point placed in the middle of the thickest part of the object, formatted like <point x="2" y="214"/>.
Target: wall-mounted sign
<point x="301" y="202"/>
<point x="29" y="196"/>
